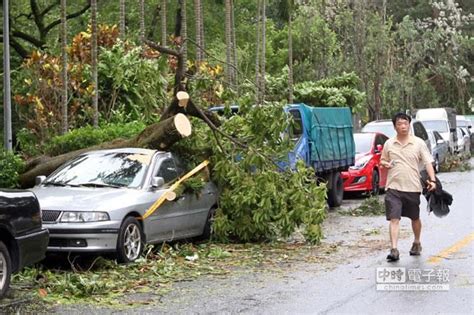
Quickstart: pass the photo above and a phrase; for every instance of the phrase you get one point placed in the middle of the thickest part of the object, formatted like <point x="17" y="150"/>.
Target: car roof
<point x="126" y="150"/>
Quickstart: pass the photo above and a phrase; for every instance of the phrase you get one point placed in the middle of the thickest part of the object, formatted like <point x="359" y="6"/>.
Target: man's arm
<point x="428" y="162"/>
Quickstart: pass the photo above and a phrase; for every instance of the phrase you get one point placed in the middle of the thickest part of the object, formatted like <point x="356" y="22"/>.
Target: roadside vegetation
<point x="375" y="57"/>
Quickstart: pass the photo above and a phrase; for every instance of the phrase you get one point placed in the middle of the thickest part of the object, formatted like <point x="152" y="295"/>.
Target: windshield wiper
<point x="60" y="184"/>
<point x="100" y="185"/>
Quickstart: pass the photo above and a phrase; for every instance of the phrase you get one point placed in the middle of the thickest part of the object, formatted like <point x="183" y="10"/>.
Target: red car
<point x="366" y="175"/>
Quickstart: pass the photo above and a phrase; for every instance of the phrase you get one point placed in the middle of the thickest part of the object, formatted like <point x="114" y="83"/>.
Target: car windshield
<point x="384" y="127"/>
<point x="363" y="142"/>
<point x="462" y="123"/>
<point x="438" y="125"/>
<point x="103" y="169"/>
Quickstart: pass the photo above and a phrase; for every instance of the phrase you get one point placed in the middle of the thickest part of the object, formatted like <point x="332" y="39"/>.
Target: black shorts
<point x="402" y="204"/>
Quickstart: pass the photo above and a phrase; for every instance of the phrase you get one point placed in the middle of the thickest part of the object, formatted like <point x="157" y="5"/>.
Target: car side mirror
<point x="440" y="141"/>
<point x="157" y="182"/>
<point x="378" y="148"/>
<point x="39" y="180"/>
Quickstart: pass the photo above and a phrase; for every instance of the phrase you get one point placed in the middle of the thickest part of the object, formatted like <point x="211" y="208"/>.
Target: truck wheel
<point x="336" y="189"/>
<point x="5" y="269"/>
<point x="130" y="241"/>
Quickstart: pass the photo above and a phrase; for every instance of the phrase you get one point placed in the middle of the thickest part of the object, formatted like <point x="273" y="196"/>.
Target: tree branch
<point x="28" y="38"/>
<point x="48" y="28"/>
<point x="49" y="8"/>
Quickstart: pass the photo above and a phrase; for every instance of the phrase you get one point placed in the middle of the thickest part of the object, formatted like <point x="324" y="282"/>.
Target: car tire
<point x="207" y="232"/>
<point x="5" y="269"/>
<point x="336" y="190"/>
<point x="375" y="183"/>
<point x="130" y="241"/>
<point x="436" y="164"/>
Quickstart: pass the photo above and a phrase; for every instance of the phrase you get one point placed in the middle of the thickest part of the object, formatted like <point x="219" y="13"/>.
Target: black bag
<point x="438" y="200"/>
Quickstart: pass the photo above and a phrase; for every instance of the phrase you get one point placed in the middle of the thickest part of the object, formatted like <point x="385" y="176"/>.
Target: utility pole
<point x="7" y="102"/>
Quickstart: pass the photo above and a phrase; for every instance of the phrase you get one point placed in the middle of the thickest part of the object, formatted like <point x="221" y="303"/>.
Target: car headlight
<point x="84" y="216"/>
<point x="361" y="163"/>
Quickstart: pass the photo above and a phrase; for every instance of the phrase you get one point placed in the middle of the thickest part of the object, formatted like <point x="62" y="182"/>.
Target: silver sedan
<point x="97" y="203"/>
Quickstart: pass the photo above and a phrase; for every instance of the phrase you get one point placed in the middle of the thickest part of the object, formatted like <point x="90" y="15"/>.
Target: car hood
<point x="85" y="198"/>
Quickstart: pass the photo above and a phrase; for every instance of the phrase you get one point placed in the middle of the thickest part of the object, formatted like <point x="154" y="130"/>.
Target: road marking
<point x="450" y="250"/>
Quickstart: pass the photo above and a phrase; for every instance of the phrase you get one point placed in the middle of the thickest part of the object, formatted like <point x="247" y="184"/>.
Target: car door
<point x="442" y="146"/>
<point x="380" y="140"/>
<point x="199" y="203"/>
<point x="167" y="222"/>
<point x="420" y="131"/>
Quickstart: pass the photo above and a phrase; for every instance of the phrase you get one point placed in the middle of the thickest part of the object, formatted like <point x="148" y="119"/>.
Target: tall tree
<point x="163" y="12"/>
<point x="95" y="97"/>
<point x="184" y="31"/>
<point x="228" y="42"/>
<point x="290" y="52"/>
<point x="234" y="45"/>
<point x="263" y="51"/>
<point x="142" y="23"/>
<point x="122" y="19"/>
<point x="199" y="22"/>
<point x="257" y="53"/>
<point x="64" y="81"/>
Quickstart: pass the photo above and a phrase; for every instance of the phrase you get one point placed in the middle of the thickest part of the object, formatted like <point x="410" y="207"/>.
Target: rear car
<point x="385" y="126"/>
<point x="366" y="175"/>
<point x="23" y="240"/>
<point x="439" y="149"/>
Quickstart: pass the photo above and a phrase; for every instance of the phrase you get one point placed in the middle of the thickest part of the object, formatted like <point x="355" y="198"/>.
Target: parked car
<point x="366" y="175"/>
<point x="439" y="148"/>
<point x="23" y="240"/>
<point x="385" y="126"/>
<point x="97" y="202"/>
<point x="464" y="142"/>
<point x="464" y="122"/>
<point x="441" y="119"/>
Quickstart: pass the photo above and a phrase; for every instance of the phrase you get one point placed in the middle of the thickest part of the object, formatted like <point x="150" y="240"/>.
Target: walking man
<point x="402" y="155"/>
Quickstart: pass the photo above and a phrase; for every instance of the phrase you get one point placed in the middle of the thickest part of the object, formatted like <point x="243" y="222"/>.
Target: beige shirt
<point x="405" y="174"/>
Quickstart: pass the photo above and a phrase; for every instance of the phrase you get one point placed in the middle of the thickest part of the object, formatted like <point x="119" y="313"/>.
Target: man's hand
<point x="387" y="164"/>
<point x="431" y="185"/>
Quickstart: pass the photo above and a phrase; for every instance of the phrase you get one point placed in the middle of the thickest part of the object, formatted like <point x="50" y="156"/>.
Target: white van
<point x="443" y="120"/>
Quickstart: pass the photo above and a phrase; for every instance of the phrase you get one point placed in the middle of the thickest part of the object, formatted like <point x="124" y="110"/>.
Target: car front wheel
<point x="375" y="183"/>
<point x="5" y="269"/>
<point x="130" y="241"/>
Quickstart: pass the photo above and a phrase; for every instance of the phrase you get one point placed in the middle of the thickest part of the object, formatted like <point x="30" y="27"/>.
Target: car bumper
<point x="32" y="247"/>
<point x="83" y="237"/>
<point x="356" y="180"/>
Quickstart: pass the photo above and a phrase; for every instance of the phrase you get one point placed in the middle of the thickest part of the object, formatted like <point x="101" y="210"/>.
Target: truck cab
<point x="442" y="120"/>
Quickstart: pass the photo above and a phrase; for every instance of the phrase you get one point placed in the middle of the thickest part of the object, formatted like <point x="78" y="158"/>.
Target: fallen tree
<point x="159" y="136"/>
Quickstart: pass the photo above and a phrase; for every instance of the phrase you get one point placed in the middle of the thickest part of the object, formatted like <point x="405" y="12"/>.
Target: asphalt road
<point x="445" y="269"/>
<point x="344" y="280"/>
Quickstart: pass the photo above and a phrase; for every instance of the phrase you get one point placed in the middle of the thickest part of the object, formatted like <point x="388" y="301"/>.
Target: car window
<point x="438" y="125"/>
<point x="385" y="127"/>
<point x="432" y="138"/>
<point x="380" y="139"/>
<point x="297" y="125"/>
<point x="420" y="131"/>
<point x="167" y="170"/>
<point x="437" y="136"/>
<point x="363" y="142"/>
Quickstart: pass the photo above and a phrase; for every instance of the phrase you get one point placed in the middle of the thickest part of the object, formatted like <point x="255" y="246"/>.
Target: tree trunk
<point x="164" y="33"/>
<point x="228" y="43"/>
<point x="159" y="136"/>
<point x="290" y="60"/>
<point x="184" y="32"/>
<point x="234" y="46"/>
<point x="95" y="81"/>
<point x="198" y="19"/>
<point x="64" y="80"/>
<point x="263" y="57"/>
<point x="257" y="55"/>
<point x="122" y="19"/>
<point x="142" y="23"/>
